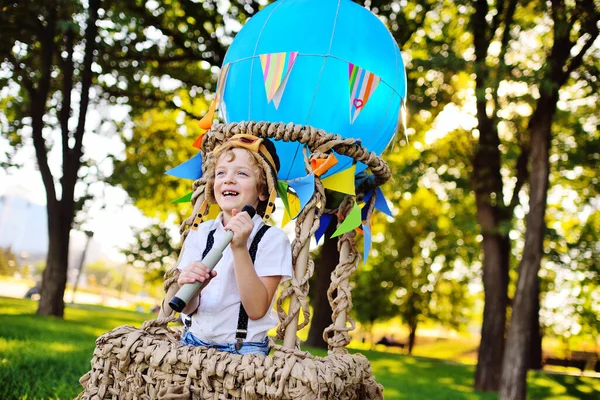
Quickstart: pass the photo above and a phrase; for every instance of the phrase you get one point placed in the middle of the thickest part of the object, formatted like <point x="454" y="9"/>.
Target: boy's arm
<point x="256" y="292"/>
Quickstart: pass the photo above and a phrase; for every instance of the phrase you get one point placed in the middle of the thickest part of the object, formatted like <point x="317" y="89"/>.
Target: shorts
<point x="189" y="339"/>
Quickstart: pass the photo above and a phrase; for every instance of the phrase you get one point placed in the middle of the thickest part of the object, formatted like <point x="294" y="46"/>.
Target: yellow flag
<point x="342" y="181"/>
<point x="294" y="203"/>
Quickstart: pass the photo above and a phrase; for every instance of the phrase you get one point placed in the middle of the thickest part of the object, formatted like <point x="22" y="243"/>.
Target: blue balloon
<point x="335" y="65"/>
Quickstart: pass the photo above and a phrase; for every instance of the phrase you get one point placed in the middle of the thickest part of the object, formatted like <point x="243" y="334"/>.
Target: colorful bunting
<point x="282" y="190"/>
<point x="381" y="204"/>
<point x="362" y="85"/>
<point x="294" y="203"/>
<point x="206" y="121"/>
<point x="352" y="221"/>
<point x="213" y="212"/>
<point x="183" y="199"/>
<point x="304" y="188"/>
<point x="342" y="181"/>
<point x="191" y="169"/>
<point x="198" y="143"/>
<point x="276" y="68"/>
<point x="322" y="165"/>
<point x="325" y="220"/>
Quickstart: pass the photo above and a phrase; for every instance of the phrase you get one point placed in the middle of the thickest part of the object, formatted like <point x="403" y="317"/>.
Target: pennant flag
<point x="362" y="85"/>
<point x="352" y="221"/>
<point x="368" y="196"/>
<point x="206" y="121"/>
<point x="198" y="143"/>
<point x="322" y="165"/>
<point x="282" y="190"/>
<point x="325" y="220"/>
<point x="276" y="68"/>
<point x="304" y="188"/>
<point x="367" y="241"/>
<point x="183" y="199"/>
<point x="363" y="211"/>
<point x="381" y="204"/>
<point x="294" y="203"/>
<point x="213" y="212"/>
<point x="342" y="181"/>
<point x="191" y="169"/>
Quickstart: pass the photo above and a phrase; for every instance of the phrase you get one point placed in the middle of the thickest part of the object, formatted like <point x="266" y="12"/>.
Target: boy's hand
<point x="241" y="225"/>
<point x="195" y="272"/>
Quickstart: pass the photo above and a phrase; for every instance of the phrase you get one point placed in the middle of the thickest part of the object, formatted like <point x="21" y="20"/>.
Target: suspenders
<point x="242" y="326"/>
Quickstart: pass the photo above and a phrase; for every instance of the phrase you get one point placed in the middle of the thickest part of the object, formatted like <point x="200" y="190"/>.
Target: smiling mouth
<point x="229" y="193"/>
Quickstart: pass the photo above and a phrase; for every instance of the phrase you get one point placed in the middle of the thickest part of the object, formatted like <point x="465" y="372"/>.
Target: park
<point x="400" y="198"/>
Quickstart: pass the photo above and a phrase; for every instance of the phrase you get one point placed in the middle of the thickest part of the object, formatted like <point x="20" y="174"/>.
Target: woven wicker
<point x="150" y="362"/>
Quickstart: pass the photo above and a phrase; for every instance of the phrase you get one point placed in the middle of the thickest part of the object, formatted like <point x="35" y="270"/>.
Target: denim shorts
<point x="189" y="339"/>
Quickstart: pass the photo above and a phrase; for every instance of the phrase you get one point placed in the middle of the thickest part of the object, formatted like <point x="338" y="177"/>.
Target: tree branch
<point x="38" y="109"/>
<point x="86" y="82"/>
<point x="508" y="20"/>
<point x="67" y="87"/>
<point x="522" y="178"/>
<point x="589" y="25"/>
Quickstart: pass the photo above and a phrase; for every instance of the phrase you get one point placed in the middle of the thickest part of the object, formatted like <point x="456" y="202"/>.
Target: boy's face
<point x="236" y="182"/>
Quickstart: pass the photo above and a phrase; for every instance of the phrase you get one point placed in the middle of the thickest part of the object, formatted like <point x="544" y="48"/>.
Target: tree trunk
<point x="514" y="374"/>
<point x="535" y="350"/>
<point x="54" y="279"/>
<point x="559" y="64"/>
<point x="495" y="280"/>
<point x="324" y="265"/>
<point x="412" y="335"/>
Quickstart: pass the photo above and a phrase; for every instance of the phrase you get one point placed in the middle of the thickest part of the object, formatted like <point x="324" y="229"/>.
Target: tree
<point x="566" y="55"/>
<point x="50" y="48"/>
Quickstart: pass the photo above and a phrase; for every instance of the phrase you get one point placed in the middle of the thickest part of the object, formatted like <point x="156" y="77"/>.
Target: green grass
<point x="44" y="357"/>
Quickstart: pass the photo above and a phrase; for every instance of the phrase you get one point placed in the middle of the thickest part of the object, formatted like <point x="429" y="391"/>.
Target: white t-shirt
<point x="217" y="316"/>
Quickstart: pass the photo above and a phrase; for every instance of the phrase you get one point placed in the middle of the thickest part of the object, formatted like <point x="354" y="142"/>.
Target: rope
<point x="339" y="292"/>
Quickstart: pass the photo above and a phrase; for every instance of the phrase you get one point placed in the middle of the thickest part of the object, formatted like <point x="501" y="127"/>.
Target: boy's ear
<point x="263" y="197"/>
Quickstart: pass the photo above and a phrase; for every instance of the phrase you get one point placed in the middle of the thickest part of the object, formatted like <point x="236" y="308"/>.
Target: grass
<point x="44" y="357"/>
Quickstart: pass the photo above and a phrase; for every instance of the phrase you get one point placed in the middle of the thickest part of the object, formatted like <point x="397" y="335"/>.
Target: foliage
<point x="152" y="250"/>
<point x="8" y="262"/>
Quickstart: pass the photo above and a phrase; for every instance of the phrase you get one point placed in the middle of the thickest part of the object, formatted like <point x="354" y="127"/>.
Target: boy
<point x="234" y="311"/>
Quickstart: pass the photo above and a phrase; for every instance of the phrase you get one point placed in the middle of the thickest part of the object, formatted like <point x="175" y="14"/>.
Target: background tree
<point x="575" y="28"/>
<point x="50" y="49"/>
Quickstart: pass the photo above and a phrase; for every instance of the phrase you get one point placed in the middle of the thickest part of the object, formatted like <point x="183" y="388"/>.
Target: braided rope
<point x="336" y="335"/>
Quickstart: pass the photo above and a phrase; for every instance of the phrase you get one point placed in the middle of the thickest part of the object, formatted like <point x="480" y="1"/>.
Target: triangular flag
<point x="363" y="211"/>
<point x="294" y="203"/>
<point x="183" y="199"/>
<point x="362" y="85"/>
<point x="352" y="221"/>
<point x="198" y="142"/>
<point x="282" y="190"/>
<point x="322" y="165"/>
<point x="276" y="68"/>
<point x="381" y="204"/>
<point x="367" y="241"/>
<point x="342" y="181"/>
<point x="213" y="212"/>
<point x="191" y="169"/>
<point x="304" y="188"/>
<point x="325" y="220"/>
<point x="206" y="121"/>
